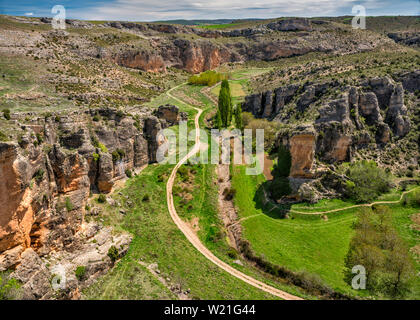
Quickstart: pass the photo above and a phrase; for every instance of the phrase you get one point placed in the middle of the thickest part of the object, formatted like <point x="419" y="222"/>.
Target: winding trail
<point x="192" y="237"/>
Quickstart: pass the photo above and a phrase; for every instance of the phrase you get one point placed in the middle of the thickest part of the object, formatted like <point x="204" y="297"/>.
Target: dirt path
<point x="333" y="210"/>
<point x="193" y="238"/>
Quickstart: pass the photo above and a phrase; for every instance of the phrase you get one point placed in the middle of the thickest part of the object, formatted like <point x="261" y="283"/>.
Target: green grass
<point x="128" y="280"/>
<point x="308" y="242"/>
<point x="300" y="243"/>
<point x="158" y="240"/>
<point x="218" y="26"/>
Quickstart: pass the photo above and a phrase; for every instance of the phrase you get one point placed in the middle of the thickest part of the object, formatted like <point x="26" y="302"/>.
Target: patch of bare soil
<point x="268" y="163"/>
<point x="227" y="209"/>
<point x="188" y="99"/>
<point x="194" y="224"/>
<point x="416" y="251"/>
<point x="416" y="221"/>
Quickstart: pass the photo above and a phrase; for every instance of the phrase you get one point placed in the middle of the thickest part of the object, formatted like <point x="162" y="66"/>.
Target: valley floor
<point x="307" y="241"/>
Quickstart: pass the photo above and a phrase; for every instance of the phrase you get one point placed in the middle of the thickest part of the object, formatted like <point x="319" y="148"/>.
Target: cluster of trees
<point x="280" y="185"/>
<point x="367" y="181"/>
<point x="207" y="78"/>
<point x="377" y="247"/>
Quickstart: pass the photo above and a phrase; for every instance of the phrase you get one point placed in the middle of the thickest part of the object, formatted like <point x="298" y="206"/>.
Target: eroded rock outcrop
<point x="46" y="179"/>
<point x="365" y="117"/>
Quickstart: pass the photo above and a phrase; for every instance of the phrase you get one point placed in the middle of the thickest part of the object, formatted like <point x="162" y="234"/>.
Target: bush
<point x="102" y="198"/>
<point x="367" y="181"/>
<point x="38" y="175"/>
<point x="9" y="287"/>
<point x="280" y="187"/>
<point x="146" y="198"/>
<point x="284" y="163"/>
<point x="412" y="199"/>
<point x="207" y="78"/>
<point x="95" y="157"/>
<point x="229" y="193"/>
<point x="3" y="137"/>
<point x="118" y="155"/>
<point x="128" y="173"/>
<point x="6" y="114"/>
<point x="113" y="253"/>
<point x="102" y="147"/>
<point x="39" y="138"/>
<point x="69" y="204"/>
<point x="80" y="272"/>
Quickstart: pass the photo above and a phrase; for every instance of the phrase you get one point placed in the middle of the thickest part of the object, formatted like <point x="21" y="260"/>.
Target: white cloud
<point x="29" y="14"/>
<point x="148" y="10"/>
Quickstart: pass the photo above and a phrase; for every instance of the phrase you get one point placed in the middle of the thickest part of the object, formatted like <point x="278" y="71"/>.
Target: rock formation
<point x="46" y="179"/>
<point x="371" y="115"/>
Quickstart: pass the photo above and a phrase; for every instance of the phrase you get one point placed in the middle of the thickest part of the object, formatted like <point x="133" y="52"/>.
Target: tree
<point x="284" y="162"/>
<point x="377" y="247"/>
<point x="238" y="117"/>
<point x="367" y="181"/>
<point x="280" y="187"/>
<point x="218" y="121"/>
<point x="225" y="104"/>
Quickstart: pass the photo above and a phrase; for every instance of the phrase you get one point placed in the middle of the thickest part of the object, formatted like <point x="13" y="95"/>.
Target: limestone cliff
<point x="46" y="178"/>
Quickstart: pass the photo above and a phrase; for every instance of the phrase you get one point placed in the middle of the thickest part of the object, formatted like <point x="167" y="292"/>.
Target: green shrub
<point x="39" y="138"/>
<point x="69" y="204"/>
<point x="102" y="198"/>
<point x="146" y="198"/>
<point x="38" y="175"/>
<point x="6" y="114"/>
<point x="284" y="163"/>
<point x="183" y="173"/>
<point x="80" y="272"/>
<point x="102" y="147"/>
<point x="367" y="181"/>
<point x="412" y="199"/>
<point x="3" y="137"/>
<point x="95" y="157"/>
<point x="280" y="187"/>
<point x="117" y="155"/>
<point x="9" y="287"/>
<point x="207" y="78"/>
<point x="229" y="193"/>
<point x="128" y="173"/>
<point x="113" y="254"/>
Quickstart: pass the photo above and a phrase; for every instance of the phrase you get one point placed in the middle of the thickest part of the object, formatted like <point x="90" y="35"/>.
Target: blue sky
<point x="149" y="10"/>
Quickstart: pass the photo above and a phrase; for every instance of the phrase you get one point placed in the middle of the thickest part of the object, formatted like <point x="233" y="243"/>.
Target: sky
<point x="152" y="10"/>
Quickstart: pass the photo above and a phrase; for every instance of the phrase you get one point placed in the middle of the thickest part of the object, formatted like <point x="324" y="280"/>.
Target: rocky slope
<point x="370" y="117"/>
<point x="48" y="174"/>
<point x="157" y="47"/>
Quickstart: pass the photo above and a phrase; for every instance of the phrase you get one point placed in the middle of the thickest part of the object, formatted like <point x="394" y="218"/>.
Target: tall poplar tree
<point x="225" y="104"/>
